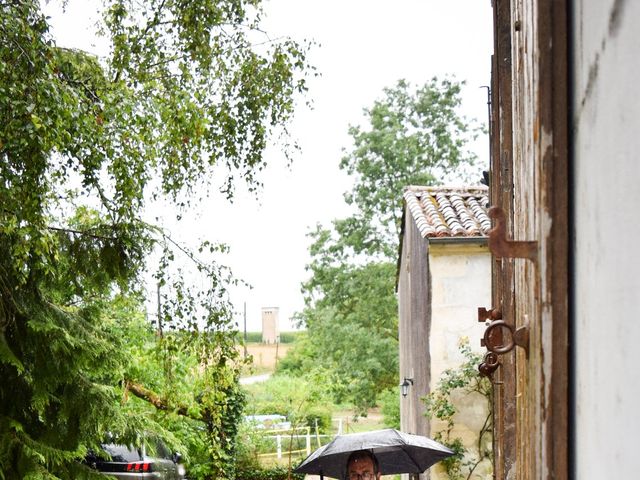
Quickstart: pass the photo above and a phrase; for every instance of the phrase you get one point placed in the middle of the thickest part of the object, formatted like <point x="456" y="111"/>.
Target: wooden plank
<point x="502" y="196"/>
<point x="414" y="326"/>
<point x="526" y="194"/>
<point x="554" y="110"/>
<point x="540" y="159"/>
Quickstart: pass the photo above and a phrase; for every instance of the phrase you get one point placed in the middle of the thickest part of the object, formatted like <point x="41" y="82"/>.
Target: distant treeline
<point x="256" y="337"/>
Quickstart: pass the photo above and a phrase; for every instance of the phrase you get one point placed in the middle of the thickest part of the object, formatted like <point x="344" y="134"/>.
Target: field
<point x="266" y="356"/>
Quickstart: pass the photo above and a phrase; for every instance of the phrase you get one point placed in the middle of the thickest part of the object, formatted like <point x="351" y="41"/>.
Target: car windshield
<point x="122" y="453"/>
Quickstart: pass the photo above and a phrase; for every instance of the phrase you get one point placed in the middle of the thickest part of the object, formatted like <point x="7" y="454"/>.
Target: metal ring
<point x="500" y="349"/>
<point x="491" y="359"/>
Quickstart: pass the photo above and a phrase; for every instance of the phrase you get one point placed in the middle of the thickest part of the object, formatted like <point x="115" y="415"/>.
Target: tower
<point x="270" y="328"/>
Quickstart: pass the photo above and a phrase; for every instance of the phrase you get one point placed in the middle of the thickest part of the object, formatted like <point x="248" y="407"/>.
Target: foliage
<point x="251" y="442"/>
<point x="201" y="405"/>
<point x="441" y="404"/>
<point x="276" y="472"/>
<point x="351" y="342"/>
<point x="299" y="358"/>
<point x="289" y="337"/>
<point x="318" y="418"/>
<point x="413" y="137"/>
<point x="353" y="327"/>
<point x="256" y="337"/>
<point x="300" y="400"/>
<point x="410" y="137"/>
<point x="390" y="406"/>
<point x="85" y="142"/>
<point x="303" y="403"/>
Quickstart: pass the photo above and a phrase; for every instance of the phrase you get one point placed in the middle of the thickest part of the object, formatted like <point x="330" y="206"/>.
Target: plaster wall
<point x="460" y="283"/>
<point x="606" y="198"/>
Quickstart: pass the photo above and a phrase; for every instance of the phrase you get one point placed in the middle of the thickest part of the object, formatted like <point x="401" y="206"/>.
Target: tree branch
<point x="157" y="401"/>
<point x="81" y="233"/>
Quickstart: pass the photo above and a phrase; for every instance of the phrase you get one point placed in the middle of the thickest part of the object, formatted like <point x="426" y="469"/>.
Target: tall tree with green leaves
<point x="187" y="88"/>
<point x="413" y="136"/>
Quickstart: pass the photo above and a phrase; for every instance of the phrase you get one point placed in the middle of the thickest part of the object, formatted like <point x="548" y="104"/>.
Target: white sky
<point x="364" y="46"/>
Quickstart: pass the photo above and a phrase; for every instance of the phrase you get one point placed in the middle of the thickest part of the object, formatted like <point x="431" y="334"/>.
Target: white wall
<point x="607" y="230"/>
<point x="460" y="283"/>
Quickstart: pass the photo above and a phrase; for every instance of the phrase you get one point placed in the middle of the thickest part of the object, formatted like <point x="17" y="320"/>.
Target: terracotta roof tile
<point x="449" y="211"/>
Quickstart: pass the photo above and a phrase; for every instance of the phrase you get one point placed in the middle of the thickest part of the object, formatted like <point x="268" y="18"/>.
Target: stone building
<point x="444" y="275"/>
<point x="270" y="325"/>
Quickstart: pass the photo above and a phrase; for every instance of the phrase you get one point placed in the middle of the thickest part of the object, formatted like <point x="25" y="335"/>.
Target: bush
<point x="301" y="401"/>
<point x="320" y="414"/>
<point x="390" y="405"/>
<point x="249" y="443"/>
<point x="299" y="359"/>
<point x="271" y="473"/>
<point x="440" y="404"/>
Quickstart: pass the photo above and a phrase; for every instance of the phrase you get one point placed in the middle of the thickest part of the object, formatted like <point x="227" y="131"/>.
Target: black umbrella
<point x="396" y="452"/>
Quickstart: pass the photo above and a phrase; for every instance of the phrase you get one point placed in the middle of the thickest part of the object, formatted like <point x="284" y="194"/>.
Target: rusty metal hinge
<point x="516" y="337"/>
<point x="489" y="364"/>
<point x="501" y="247"/>
<point x="491" y="314"/>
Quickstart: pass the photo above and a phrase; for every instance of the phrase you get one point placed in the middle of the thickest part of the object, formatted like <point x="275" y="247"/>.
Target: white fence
<point x="291" y="434"/>
<point x="280" y="435"/>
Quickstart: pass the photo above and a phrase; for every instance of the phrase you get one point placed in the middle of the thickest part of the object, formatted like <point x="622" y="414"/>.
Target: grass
<point x="353" y="424"/>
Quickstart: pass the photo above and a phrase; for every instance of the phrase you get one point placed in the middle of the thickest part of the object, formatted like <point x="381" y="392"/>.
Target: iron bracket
<point x="501" y="247"/>
<point x="491" y="314"/>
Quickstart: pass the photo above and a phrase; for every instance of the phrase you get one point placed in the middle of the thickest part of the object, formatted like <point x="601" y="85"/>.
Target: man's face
<point x="362" y="469"/>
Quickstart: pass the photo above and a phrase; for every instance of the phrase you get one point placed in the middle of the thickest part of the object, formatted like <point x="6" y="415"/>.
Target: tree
<point x="352" y="327"/>
<point x="352" y="341"/>
<point x="413" y="137"/>
<point x="85" y="142"/>
<point x="351" y="318"/>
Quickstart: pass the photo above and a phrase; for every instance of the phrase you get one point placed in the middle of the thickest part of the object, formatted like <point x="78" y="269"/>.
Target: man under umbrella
<point x="391" y="452"/>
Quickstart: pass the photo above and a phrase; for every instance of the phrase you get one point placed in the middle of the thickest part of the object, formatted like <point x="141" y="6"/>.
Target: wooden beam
<point x="553" y="26"/>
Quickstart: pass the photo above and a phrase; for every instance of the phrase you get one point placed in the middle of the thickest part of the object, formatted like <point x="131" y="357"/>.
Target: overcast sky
<point x="362" y="47"/>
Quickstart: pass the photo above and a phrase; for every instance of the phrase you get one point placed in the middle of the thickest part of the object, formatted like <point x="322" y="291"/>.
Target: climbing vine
<point x="442" y="404"/>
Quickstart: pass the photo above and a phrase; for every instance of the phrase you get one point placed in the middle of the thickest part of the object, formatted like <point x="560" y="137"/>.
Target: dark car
<point x="124" y="462"/>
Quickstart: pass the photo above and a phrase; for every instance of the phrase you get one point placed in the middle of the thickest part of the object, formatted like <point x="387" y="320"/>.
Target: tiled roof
<point x="448" y="211"/>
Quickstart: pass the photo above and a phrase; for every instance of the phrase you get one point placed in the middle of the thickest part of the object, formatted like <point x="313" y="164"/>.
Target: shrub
<point x="319" y="414"/>
<point x="272" y="473"/>
<point x="390" y="404"/>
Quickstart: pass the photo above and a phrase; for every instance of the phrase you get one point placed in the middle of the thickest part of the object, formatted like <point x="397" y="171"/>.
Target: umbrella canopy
<point x="396" y="452"/>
